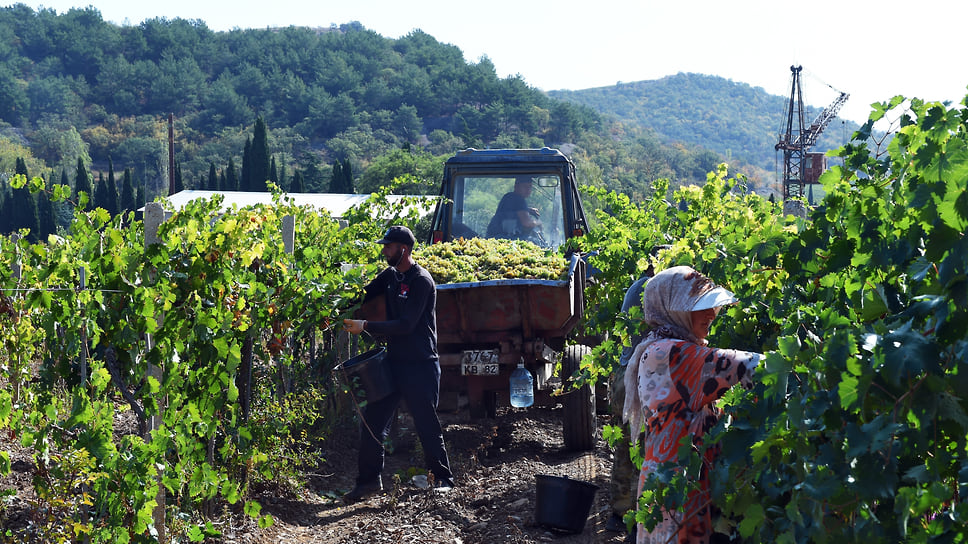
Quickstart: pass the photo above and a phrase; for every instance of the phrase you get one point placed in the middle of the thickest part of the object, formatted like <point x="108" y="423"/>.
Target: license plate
<point x="479" y="362"/>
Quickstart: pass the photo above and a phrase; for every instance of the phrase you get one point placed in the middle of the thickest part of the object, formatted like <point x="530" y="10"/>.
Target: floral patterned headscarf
<point x="668" y="300"/>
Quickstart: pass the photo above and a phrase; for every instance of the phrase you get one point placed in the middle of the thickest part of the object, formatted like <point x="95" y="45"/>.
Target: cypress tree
<point x="312" y="177"/>
<point x="246" y="183"/>
<point x="127" y="192"/>
<point x="347" y="177"/>
<point x="5" y="213"/>
<point x="231" y="177"/>
<point x="179" y="184"/>
<point x="113" y="199"/>
<point x="23" y="208"/>
<point x="297" y="183"/>
<point x="212" y="178"/>
<point x="222" y="184"/>
<point x="282" y="176"/>
<point x="336" y="180"/>
<point x="259" y="156"/>
<point x="273" y="174"/>
<point x="82" y="180"/>
<point x="101" y="193"/>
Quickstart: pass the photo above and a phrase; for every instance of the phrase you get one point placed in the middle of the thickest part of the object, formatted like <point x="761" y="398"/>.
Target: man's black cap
<point x="399" y="234"/>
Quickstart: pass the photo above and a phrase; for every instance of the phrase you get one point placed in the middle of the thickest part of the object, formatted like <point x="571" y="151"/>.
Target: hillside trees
<point x="22" y="208"/>
<point x="58" y="146"/>
<point x="729" y="118"/>
<point x="82" y="182"/>
<point x="14" y="104"/>
<point x="423" y="170"/>
<point x="256" y="163"/>
<point x="79" y="86"/>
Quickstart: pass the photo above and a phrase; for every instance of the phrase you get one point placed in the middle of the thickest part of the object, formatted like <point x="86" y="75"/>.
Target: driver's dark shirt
<point x="507" y="209"/>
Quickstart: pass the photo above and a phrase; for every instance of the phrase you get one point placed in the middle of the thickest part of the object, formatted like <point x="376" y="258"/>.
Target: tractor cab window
<point x="520" y="207"/>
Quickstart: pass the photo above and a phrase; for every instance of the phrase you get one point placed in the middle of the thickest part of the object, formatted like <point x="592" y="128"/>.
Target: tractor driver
<point x="514" y="218"/>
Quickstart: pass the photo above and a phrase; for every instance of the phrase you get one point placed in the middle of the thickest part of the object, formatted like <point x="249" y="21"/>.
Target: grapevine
<point x="856" y="428"/>
<point x="855" y="431"/>
<point x="228" y="311"/>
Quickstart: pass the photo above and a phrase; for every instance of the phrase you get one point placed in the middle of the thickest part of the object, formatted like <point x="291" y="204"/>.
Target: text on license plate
<point x="479" y="362"/>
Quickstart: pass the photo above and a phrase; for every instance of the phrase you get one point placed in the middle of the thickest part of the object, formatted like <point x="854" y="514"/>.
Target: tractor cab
<point x="526" y="194"/>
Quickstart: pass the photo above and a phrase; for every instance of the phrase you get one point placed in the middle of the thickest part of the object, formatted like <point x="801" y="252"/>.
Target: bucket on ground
<point x="372" y="370"/>
<point x="562" y="503"/>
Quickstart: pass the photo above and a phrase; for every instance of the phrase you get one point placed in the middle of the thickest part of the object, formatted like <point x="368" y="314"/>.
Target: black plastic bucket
<point x="562" y="503"/>
<point x="371" y="368"/>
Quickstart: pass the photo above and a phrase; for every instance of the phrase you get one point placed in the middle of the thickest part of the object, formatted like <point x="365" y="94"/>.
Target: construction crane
<point x="800" y="166"/>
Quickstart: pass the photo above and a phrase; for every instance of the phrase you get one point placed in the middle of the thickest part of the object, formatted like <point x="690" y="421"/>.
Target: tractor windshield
<point x="517" y="207"/>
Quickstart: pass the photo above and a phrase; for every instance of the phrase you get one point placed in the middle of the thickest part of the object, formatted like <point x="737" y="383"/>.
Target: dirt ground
<point x="495" y="462"/>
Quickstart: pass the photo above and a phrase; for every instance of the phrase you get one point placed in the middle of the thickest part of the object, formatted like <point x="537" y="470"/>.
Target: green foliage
<point x="720" y="229"/>
<point x="83" y="88"/>
<point x="341" y="181"/>
<point x="856" y="428"/>
<point x="733" y="120"/>
<point x="188" y="306"/>
<point x="425" y="171"/>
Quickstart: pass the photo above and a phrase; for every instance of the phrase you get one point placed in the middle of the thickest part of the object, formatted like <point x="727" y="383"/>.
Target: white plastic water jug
<point x="522" y="387"/>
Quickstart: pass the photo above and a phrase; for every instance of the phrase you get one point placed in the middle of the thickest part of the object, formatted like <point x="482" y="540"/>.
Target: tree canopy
<point x="78" y="86"/>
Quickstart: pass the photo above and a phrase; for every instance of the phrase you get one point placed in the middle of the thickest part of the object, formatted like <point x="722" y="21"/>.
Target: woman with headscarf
<point x="676" y="379"/>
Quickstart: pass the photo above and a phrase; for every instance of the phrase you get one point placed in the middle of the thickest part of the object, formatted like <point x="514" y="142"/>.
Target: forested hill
<point x="313" y="109"/>
<point x="74" y="86"/>
<point x="733" y="119"/>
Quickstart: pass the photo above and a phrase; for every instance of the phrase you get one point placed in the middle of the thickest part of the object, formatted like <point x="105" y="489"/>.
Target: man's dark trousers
<point x="418" y="386"/>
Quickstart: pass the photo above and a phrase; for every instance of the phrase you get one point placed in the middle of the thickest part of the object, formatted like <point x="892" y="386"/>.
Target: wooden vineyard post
<point x="289" y="244"/>
<point x="154" y="215"/>
<point x="81" y="286"/>
<point x="289" y="233"/>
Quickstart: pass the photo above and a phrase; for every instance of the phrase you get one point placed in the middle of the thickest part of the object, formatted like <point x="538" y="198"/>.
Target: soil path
<point x="495" y="462"/>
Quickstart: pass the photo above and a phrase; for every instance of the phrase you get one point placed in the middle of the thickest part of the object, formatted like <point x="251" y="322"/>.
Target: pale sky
<point x="872" y="49"/>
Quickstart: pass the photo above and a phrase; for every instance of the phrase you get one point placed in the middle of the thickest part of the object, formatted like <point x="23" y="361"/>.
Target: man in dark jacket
<point x="411" y="332"/>
<point x="513" y="217"/>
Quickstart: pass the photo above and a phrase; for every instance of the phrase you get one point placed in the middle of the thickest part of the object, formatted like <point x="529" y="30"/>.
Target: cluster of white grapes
<point x="481" y="259"/>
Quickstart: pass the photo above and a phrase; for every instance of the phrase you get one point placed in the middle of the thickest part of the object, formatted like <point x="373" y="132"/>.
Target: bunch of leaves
<point x="56" y="324"/>
<point x="721" y="229"/>
<point x="856" y="429"/>
<point x="60" y="513"/>
<point x="481" y="259"/>
<point x="166" y="328"/>
<point x="860" y="424"/>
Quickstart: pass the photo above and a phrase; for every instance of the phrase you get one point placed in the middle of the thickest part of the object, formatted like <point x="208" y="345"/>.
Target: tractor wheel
<point x="578" y="422"/>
